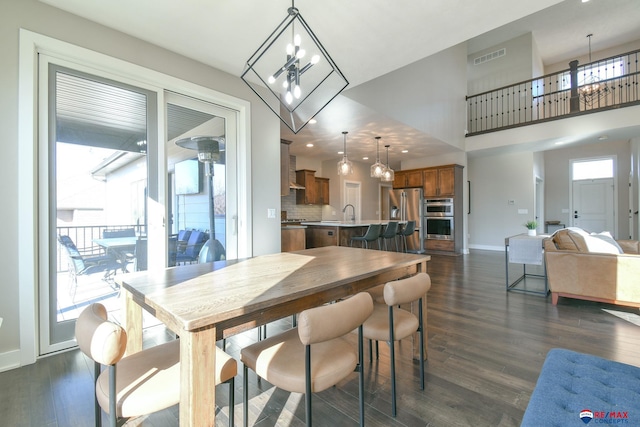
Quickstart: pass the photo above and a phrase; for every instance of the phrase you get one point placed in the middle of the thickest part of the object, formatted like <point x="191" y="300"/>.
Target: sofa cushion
<point x="576" y="239"/>
<point x="567" y="240"/>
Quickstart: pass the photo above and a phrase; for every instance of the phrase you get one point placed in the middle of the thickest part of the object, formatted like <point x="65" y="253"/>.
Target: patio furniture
<point x="192" y="250"/>
<point x="84" y="266"/>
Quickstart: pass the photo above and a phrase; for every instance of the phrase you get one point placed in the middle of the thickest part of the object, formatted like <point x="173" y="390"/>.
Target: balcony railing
<point x="597" y="86"/>
<point x="83" y="237"/>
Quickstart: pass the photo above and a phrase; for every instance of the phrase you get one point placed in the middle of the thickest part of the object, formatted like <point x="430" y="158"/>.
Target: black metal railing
<point x="83" y="237"/>
<point x="605" y="84"/>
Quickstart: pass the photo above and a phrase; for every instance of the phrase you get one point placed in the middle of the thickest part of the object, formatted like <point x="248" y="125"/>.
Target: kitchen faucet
<point x="353" y="217"/>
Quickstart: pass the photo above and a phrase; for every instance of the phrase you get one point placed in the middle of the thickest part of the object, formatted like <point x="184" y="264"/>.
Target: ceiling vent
<point x="490" y="56"/>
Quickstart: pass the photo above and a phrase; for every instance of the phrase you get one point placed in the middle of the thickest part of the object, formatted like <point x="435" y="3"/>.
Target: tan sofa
<point x="580" y="267"/>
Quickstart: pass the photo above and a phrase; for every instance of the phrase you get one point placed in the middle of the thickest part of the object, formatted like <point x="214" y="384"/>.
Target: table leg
<point x="197" y="378"/>
<point x="131" y="321"/>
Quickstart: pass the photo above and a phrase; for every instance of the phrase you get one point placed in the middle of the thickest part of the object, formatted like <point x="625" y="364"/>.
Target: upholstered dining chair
<point x="314" y="355"/>
<point x="142" y="383"/>
<point x="371" y="235"/>
<point x="390" y="323"/>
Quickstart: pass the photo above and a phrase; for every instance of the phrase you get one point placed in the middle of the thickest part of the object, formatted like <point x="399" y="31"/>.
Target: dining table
<point x="121" y="247"/>
<point x="203" y="303"/>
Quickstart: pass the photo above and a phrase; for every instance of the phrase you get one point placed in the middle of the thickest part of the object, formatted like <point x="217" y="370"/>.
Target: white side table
<point x="526" y="250"/>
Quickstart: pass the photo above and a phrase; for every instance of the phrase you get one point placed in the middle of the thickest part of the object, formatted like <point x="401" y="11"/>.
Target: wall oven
<point x="438" y="219"/>
<point x="438" y="207"/>
<point x="439" y="228"/>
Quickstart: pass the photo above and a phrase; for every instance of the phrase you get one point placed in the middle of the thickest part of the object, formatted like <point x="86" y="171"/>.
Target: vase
<point x="531" y="232"/>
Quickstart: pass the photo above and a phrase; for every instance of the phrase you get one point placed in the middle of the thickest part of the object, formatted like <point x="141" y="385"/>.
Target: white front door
<point x="593" y="205"/>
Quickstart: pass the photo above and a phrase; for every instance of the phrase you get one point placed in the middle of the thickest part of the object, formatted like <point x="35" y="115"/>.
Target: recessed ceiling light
<point x="584" y="1"/>
<point x="561" y="142"/>
<point x="365" y="158"/>
<point x="405" y="151"/>
<point x="313" y="121"/>
<point x="340" y="152"/>
<point x="309" y="145"/>
<point x="603" y="137"/>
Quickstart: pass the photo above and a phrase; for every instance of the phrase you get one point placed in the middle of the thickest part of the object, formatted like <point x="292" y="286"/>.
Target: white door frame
<point x="31" y="44"/>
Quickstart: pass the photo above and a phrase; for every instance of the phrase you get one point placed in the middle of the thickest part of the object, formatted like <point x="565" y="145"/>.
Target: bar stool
<point x="372" y="235"/>
<point x="407" y="230"/>
<point x="390" y="232"/>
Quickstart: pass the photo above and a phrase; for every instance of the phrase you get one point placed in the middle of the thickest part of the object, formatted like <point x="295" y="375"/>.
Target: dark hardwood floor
<point x="486" y="348"/>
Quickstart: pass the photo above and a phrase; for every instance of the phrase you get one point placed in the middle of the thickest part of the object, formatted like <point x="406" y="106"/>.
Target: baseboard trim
<point x="9" y="360"/>
<point x="487" y="247"/>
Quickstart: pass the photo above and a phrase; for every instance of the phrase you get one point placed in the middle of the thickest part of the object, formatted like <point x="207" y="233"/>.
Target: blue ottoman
<point x="576" y="389"/>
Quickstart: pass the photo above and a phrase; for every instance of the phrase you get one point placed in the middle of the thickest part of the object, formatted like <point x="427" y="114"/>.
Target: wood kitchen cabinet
<point x="308" y="196"/>
<point x="316" y="189"/>
<point x="408" y="179"/>
<point x="322" y="185"/>
<point x="441" y="181"/>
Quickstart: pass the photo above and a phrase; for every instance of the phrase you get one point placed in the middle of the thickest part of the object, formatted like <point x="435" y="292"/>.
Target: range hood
<point x="295" y="186"/>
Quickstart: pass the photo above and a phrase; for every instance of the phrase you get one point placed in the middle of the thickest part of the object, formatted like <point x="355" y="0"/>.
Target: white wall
<point x="428" y="95"/>
<point x="40" y="18"/>
<point x="495" y="180"/>
<point x="519" y="64"/>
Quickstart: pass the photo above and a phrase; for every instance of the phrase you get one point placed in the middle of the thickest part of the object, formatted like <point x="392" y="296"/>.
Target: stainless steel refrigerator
<point x="406" y="205"/>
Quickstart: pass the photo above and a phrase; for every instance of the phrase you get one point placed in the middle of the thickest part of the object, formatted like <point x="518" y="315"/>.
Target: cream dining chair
<point x="140" y="384"/>
<point x="390" y="323"/>
<point x="314" y="355"/>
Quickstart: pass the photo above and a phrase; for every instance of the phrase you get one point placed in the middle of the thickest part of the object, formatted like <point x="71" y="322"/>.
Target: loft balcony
<point x="598" y="86"/>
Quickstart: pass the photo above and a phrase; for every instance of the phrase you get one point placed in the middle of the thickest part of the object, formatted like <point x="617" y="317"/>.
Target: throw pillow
<point x="604" y="243"/>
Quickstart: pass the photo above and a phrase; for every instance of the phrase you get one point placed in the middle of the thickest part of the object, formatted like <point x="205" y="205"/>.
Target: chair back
<point x="196" y="240"/>
<point x="407" y="290"/>
<point x="141" y="254"/>
<point x="373" y="232"/>
<point x="390" y="230"/>
<point x="75" y="259"/>
<point x="101" y="340"/>
<point x="334" y="320"/>
<point x="409" y="228"/>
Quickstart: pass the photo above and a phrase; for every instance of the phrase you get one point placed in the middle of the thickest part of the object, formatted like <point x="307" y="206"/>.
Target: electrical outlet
<point x="511" y="202"/>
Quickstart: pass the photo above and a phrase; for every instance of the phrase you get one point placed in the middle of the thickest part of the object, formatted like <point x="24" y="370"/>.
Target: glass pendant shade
<point x="387" y="175"/>
<point x="377" y="168"/>
<point x="344" y="166"/>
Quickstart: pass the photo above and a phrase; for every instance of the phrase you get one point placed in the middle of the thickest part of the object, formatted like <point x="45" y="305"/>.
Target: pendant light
<point x="344" y="165"/>
<point x="377" y="168"/>
<point x="388" y="174"/>
<point x="590" y="88"/>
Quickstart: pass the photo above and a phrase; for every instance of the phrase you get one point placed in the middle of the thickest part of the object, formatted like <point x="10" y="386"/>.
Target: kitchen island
<point x="336" y="233"/>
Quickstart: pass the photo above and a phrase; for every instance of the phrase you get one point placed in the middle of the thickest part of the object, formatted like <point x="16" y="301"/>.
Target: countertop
<point x="360" y="223"/>
<point x="290" y="227"/>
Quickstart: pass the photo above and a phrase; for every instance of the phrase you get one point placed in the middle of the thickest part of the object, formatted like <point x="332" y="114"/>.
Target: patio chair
<point x="84" y="266"/>
<point x="192" y="250"/>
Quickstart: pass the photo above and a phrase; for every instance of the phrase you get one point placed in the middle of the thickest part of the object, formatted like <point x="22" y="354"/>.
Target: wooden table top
<point x="199" y="295"/>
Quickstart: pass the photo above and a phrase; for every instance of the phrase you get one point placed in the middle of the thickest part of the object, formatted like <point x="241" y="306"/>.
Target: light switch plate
<point x="523" y="211"/>
<point x="271" y="213"/>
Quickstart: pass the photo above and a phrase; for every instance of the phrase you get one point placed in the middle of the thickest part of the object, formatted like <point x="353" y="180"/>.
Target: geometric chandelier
<point x="292" y="72"/>
<point x="590" y="88"/>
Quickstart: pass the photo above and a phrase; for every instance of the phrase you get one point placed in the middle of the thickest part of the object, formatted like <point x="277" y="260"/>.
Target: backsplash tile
<point x="288" y="203"/>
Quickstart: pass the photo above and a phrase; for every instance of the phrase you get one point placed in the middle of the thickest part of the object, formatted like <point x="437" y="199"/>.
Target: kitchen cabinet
<point x="323" y="190"/>
<point x="308" y="196"/>
<point x="441" y="181"/>
<point x="316" y="189"/>
<point x="293" y="238"/>
<point x="408" y="179"/>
